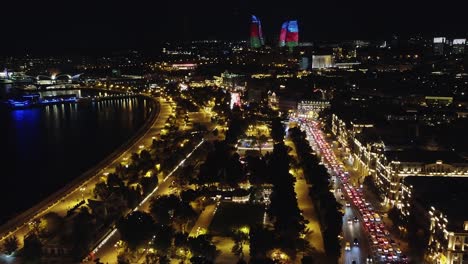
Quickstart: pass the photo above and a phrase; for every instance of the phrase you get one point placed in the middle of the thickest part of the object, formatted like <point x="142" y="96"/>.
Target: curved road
<point x="19" y="226"/>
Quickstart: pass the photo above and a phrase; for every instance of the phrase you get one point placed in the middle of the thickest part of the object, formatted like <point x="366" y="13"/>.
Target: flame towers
<point x="289" y="35"/>
<point x="256" y="35"/>
<point x="284" y="29"/>
<point x="292" y="34"/>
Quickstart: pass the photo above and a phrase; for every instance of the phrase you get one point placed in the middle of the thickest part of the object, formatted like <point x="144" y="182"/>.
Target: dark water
<point x="44" y="148"/>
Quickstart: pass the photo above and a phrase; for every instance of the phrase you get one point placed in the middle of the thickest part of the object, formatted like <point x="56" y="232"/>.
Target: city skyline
<point x="52" y="27"/>
<point x="234" y="132"/>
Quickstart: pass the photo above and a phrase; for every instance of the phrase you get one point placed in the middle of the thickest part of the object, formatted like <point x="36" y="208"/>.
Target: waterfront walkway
<point x="82" y="187"/>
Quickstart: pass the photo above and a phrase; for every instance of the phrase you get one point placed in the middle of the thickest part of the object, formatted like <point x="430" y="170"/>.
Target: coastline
<point x="41" y="207"/>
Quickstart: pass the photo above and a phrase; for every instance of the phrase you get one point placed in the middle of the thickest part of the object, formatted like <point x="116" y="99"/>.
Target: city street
<point x="83" y="190"/>
<point x="365" y="237"/>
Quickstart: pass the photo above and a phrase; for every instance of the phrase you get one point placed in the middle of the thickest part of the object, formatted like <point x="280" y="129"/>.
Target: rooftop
<point x="425" y="156"/>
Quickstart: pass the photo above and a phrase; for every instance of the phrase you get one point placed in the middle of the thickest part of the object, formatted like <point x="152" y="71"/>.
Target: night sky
<point x="81" y="26"/>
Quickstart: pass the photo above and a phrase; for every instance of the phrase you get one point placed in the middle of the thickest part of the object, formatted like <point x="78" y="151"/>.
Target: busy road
<point x="365" y="237"/>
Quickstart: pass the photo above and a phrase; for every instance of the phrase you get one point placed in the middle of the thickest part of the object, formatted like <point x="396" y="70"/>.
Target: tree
<point x="149" y="183"/>
<point x="113" y="180"/>
<point x="51" y="224"/>
<point x="163" y="259"/>
<point x="162" y="208"/>
<point x="162" y="240"/>
<point x="261" y="241"/>
<point x="82" y="233"/>
<point x="188" y="195"/>
<point x="101" y="191"/>
<point x="180" y="240"/>
<point x="184" y="213"/>
<point x="32" y="250"/>
<point x="262" y="139"/>
<point x="394" y="215"/>
<point x="136" y="228"/>
<point x="277" y="130"/>
<point x="10" y="245"/>
<point x="240" y="238"/>
<point x="146" y="162"/>
<point x="202" y="246"/>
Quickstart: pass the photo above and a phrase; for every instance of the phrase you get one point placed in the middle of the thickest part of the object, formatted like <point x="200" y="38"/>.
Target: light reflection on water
<point x="46" y="147"/>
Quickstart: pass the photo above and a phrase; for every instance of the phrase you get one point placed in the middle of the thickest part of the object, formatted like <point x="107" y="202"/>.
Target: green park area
<point x="231" y="215"/>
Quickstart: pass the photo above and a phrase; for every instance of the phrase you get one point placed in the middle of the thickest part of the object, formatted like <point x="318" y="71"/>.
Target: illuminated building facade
<point x="322" y="61"/>
<point x="292" y="34"/>
<point x="273" y="100"/>
<point x="388" y="167"/>
<point x="311" y="109"/>
<point x="437" y="206"/>
<point x="304" y="63"/>
<point x="439" y="45"/>
<point x="458" y="47"/>
<point x="448" y="241"/>
<point x="283" y="32"/>
<point x="235" y="100"/>
<point x="256" y="35"/>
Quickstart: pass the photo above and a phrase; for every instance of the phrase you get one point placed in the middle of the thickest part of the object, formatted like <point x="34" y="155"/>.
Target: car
<point x="342" y="197"/>
<point x="356" y="242"/>
<point x="404" y="258"/>
<point x="356" y="219"/>
<point x="369" y="259"/>
<point x="347" y="246"/>
<point x="350" y="221"/>
<point x="398" y="250"/>
<point x="348" y="204"/>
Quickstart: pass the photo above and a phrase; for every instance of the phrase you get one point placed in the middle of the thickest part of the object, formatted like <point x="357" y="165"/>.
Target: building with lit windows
<point x="311" y="109"/>
<point x="439" y="46"/>
<point x="322" y="61"/>
<point x="438" y="208"/>
<point x="458" y="46"/>
<point x="390" y="160"/>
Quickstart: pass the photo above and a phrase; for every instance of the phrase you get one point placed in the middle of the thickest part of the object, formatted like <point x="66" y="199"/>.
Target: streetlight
<point x="82" y="189"/>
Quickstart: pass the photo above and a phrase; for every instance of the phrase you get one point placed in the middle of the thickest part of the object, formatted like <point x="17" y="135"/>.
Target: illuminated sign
<point x="439" y="40"/>
<point x="459" y="41"/>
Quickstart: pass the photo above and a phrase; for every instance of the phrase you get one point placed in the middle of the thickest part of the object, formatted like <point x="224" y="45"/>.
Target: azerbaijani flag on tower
<point x="292" y="34"/>
<point x="256" y="35"/>
<point x="282" y="38"/>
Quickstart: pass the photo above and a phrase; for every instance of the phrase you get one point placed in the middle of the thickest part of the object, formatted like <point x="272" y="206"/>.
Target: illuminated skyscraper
<point x="256" y="35"/>
<point x="282" y="38"/>
<point x="292" y="34"/>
